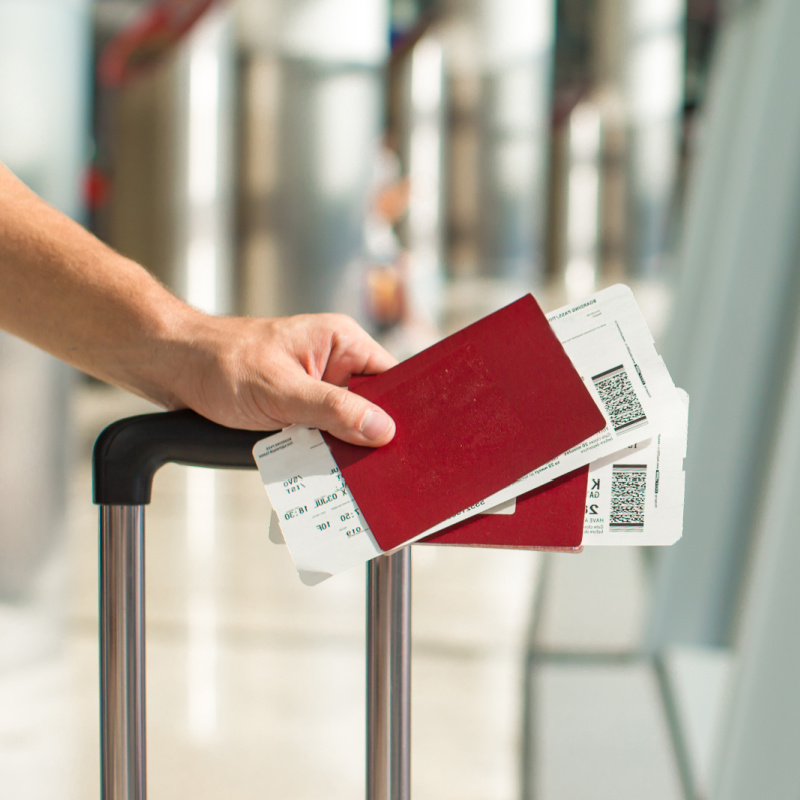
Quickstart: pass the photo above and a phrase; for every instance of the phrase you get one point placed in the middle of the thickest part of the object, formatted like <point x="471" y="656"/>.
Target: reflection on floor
<point x="256" y="682"/>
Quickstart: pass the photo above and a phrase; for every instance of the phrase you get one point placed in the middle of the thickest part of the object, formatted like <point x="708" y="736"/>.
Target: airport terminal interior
<point x="419" y="164"/>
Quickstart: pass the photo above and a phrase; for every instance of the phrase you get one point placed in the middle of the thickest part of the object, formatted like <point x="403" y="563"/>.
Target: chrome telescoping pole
<point x="389" y="677"/>
<point x="122" y="674"/>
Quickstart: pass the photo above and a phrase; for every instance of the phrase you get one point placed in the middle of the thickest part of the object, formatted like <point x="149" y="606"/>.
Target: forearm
<point x="66" y="292"/>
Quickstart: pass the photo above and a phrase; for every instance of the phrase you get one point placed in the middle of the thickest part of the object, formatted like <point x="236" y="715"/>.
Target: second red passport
<point x="474" y="413"/>
<point x="550" y="517"/>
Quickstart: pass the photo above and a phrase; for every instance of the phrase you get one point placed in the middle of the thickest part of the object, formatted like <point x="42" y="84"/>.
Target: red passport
<point x="549" y="517"/>
<point x="474" y="413"/>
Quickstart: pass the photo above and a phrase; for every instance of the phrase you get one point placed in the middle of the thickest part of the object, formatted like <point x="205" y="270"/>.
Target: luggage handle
<point x="127" y="454"/>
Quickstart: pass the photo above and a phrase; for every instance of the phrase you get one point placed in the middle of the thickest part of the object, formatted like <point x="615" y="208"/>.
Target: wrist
<point x="167" y="351"/>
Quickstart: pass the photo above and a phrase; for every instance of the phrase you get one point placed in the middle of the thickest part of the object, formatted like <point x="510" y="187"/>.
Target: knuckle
<point x="337" y="403"/>
<point x="341" y="322"/>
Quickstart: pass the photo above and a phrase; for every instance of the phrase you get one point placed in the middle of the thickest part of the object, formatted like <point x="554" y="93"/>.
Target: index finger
<point x="356" y="353"/>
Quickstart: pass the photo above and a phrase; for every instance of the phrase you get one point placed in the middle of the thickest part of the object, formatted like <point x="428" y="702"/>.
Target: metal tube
<point x="389" y="677"/>
<point x="122" y="688"/>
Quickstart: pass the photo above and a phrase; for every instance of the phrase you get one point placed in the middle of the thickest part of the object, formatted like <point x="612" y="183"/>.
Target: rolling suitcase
<point x="127" y="455"/>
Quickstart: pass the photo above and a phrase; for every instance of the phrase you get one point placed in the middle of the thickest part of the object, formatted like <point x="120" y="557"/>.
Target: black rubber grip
<point x="128" y="452"/>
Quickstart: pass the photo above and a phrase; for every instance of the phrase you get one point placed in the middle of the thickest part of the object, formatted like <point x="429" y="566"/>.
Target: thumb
<point x="346" y="415"/>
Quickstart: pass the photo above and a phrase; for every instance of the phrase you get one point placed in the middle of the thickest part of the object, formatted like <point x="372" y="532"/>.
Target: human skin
<point x="66" y="292"/>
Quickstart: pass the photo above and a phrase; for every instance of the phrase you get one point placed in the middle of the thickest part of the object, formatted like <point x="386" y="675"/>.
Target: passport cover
<point x="474" y="413"/>
<point x="549" y="517"/>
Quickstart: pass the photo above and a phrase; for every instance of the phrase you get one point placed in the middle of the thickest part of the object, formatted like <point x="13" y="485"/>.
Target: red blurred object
<point x="144" y="43"/>
<point x="96" y="188"/>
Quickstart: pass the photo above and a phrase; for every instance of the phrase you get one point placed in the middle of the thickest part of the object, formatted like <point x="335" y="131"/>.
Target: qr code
<point x="628" y="484"/>
<point x="620" y="401"/>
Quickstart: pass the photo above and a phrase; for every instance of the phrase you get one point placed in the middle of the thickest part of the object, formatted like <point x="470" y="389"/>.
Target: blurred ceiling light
<point x="649" y="15"/>
<point x="201" y="283"/>
<point x="343" y="102"/>
<point x="584" y="181"/>
<point x="426" y="77"/>
<point x="515" y="163"/>
<point x="515" y="103"/>
<point x="583" y="201"/>
<point x="654" y="156"/>
<point x="580" y="278"/>
<point x="424" y="224"/>
<point x="425" y="145"/>
<point x="204" y="66"/>
<point x="584" y="133"/>
<point x="655" y="87"/>
<point x="205" y="210"/>
<point x="350" y="31"/>
<point x="515" y="30"/>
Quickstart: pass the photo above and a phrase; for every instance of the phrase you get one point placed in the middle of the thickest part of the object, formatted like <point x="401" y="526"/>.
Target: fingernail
<point x="376" y="425"/>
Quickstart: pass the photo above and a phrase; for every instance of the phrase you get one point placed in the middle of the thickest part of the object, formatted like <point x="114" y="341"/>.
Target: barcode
<point x="620" y="401"/>
<point x="628" y="483"/>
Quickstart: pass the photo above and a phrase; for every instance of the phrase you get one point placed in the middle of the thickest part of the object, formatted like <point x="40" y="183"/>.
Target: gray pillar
<point x="653" y="95"/>
<point x="757" y="754"/>
<point x="330" y="120"/>
<point x="516" y="39"/>
<point x="733" y="316"/>
<point x="44" y="94"/>
<point x="44" y="90"/>
<point x="639" y="69"/>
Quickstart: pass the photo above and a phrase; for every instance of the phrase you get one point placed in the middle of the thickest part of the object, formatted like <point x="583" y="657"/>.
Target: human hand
<point x="263" y="374"/>
<point x="66" y="292"/>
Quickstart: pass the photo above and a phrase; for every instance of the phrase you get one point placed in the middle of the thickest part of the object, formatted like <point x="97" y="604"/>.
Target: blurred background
<point x="417" y="164"/>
